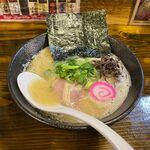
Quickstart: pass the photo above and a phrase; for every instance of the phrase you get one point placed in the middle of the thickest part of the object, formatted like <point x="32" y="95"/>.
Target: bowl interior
<point x="32" y="47"/>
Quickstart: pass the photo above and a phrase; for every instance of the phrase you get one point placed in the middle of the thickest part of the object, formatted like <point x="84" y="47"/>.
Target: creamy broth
<point x="43" y="61"/>
<point x="42" y="93"/>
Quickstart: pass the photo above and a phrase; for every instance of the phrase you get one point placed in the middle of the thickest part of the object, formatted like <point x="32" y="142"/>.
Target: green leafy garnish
<point x="80" y="71"/>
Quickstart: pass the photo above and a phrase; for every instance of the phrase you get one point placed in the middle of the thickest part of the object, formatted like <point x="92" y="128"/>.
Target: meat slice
<point x="69" y="93"/>
<point x="58" y="86"/>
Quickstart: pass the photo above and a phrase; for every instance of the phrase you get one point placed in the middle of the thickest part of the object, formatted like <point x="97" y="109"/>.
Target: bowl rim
<point x="117" y="118"/>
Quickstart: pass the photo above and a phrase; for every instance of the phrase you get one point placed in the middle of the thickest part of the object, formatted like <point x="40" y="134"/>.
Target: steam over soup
<point x="97" y="86"/>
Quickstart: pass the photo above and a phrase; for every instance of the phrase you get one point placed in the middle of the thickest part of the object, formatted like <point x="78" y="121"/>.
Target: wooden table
<point x="18" y="131"/>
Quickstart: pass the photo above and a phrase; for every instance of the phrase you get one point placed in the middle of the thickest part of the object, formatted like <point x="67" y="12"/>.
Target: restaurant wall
<point x="118" y="11"/>
<point x="118" y="16"/>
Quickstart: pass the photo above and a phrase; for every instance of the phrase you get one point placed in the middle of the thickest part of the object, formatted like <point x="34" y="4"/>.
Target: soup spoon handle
<point x="115" y="139"/>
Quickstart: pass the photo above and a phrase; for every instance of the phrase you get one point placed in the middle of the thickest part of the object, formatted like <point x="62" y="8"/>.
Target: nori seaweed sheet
<point x="83" y="34"/>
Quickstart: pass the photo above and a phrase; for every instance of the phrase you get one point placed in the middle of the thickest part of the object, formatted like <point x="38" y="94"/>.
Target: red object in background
<point x="52" y="7"/>
<point x="21" y="17"/>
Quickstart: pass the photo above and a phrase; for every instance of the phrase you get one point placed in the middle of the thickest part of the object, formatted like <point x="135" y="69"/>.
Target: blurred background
<point x="121" y="15"/>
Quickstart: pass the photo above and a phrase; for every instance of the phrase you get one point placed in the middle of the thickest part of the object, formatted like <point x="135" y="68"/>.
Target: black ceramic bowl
<point x="32" y="47"/>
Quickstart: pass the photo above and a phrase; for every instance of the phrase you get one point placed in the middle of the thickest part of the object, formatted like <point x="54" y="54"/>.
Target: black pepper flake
<point x="108" y="66"/>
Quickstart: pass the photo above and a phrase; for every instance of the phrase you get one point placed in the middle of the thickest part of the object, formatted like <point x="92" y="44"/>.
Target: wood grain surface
<point x="18" y="131"/>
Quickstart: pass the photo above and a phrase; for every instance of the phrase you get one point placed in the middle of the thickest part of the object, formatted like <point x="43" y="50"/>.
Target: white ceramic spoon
<point x="25" y="78"/>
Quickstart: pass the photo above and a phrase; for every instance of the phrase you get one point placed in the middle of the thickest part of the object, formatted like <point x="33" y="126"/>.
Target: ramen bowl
<point x="32" y="47"/>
